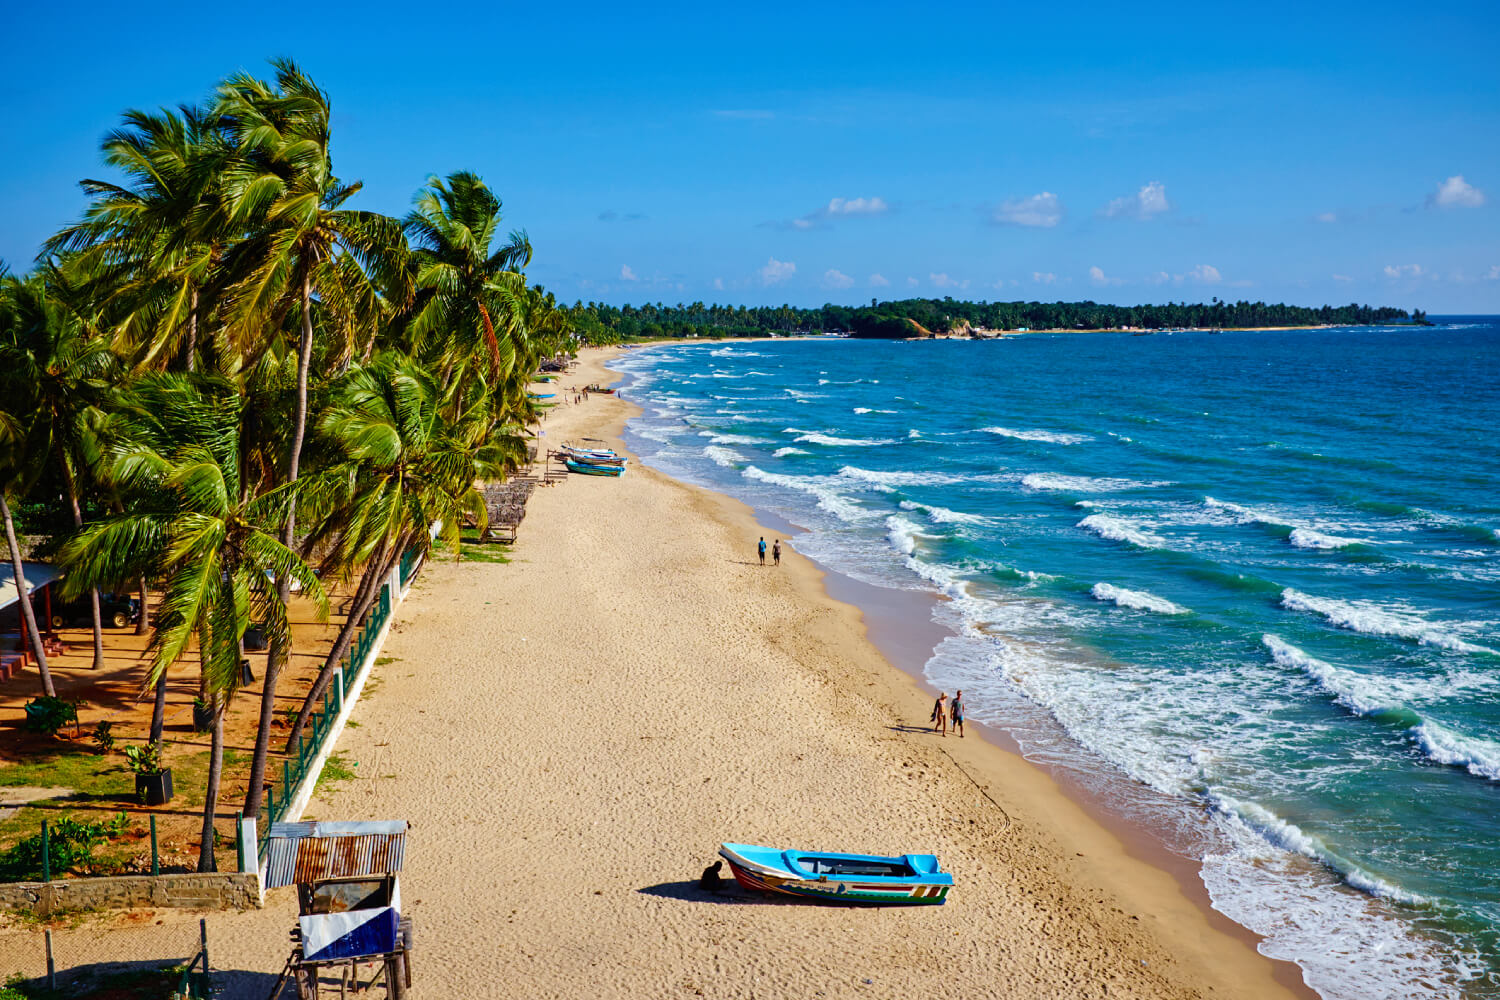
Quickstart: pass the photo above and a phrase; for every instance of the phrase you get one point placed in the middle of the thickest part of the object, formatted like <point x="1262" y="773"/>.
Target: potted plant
<point x="153" y="783"/>
<point x="203" y="715"/>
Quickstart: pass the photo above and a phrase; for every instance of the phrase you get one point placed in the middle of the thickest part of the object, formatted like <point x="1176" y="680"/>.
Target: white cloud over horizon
<point x="879" y="280"/>
<point x="1455" y="192"/>
<point x="1403" y="271"/>
<point x="1148" y="202"/>
<point x="626" y="274"/>
<point x="776" y="271"/>
<point x="1043" y="277"/>
<point x="1043" y="210"/>
<point x="833" y="278"/>
<point x="1326" y="217"/>
<point x="1098" y="277"/>
<point x="1205" y="274"/>
<point x="943" y="280"/>
<point x="856" y="206"/>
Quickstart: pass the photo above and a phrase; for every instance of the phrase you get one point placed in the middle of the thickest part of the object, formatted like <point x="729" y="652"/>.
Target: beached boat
<point x="586" y="469"/>
<point x="911" y="879"/>
<point x="541" y="395"/>
<point x="595" y="388"/>
<point x="597" y="456"/>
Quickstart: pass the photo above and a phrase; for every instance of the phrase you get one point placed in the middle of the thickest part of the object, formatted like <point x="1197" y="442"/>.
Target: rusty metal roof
<point x="306" y="852"/>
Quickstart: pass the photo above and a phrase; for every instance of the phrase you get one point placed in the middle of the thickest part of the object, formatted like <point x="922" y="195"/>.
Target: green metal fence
<point x="295" y="766"/>
<point x="409" y="566"/>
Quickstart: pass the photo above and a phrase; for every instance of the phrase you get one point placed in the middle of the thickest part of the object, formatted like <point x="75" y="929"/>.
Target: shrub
<point x="70" y="845"/>
<point x="145" y="759"/>
<point x="104" y="739"/>
<point x="48" y="715"/>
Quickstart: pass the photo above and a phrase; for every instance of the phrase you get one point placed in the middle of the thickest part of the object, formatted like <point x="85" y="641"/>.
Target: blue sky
<point x="1307" y="152"/>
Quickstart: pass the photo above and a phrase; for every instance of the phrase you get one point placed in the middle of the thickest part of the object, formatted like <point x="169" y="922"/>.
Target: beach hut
<point x="15" y="641"/>
<point x="348" y="901"/>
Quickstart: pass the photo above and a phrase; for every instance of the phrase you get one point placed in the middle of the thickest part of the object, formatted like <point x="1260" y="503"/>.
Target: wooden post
<point x="155" y="858"/>
<point x="239" y="842"/>
<point x="203" y="940"/>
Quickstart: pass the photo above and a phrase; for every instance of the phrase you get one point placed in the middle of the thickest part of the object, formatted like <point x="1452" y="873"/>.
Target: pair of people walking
<point x="946" y="713"/>
<point x="775" y="551"/>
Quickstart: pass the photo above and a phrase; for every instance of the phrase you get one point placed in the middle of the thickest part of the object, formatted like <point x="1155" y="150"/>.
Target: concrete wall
<point x="217" y="891"/>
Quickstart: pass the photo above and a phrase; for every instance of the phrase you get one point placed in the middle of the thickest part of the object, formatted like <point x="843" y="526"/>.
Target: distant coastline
<point x="601" y="324"/>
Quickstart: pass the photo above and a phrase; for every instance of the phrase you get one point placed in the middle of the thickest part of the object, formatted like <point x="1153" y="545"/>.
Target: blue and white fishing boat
<point x="911" y="879"/>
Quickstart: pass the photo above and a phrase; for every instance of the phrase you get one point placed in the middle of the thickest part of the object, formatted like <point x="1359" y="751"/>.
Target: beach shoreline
<point x="574" y="731"/>
<point x="901" y="626"/>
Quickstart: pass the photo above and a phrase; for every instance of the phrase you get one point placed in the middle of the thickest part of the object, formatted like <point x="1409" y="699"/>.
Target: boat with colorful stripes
<point x="910" y="879"/>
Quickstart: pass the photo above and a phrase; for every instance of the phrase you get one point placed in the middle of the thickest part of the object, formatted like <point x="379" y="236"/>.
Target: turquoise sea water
<point x="1246" y="585"/>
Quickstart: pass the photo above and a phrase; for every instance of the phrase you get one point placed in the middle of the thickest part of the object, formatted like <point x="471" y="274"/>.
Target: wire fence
<point x="295" y="767"/>
<point x="168" y="962"/>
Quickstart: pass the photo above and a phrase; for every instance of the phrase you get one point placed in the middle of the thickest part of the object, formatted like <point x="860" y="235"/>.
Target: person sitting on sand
<point x="956" y="713"/>
<point x="940" y="714"/>
<point x="710" y="879"/>
<point x="776" y="552"/>
<point x="762" y="550"/>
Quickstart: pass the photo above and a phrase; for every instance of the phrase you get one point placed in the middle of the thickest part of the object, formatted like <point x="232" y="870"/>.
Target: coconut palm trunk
<point x="72" y="485"/>
<point x="281" y="646"/>
<point x="27" y="613"/>
<point x="206" y="860"/>
<point x="143" y="622"/>
<point x="159" y="709"/>
<point x="376" y="573"/>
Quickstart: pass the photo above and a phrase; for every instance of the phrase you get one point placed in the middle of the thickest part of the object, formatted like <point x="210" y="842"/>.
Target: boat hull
<point x="766" y="870"/>
<point x="594" y="470"/>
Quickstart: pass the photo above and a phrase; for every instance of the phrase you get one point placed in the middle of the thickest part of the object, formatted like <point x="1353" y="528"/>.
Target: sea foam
<point x="1373" y="619"/>
<point x="1117" y="529"/>
<point x="1049" y="437"/>
<point x="1083" y="484"/>
<point x="1137" y="599"/>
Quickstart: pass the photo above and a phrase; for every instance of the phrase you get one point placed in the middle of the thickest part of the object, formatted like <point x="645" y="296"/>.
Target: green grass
<point x="335" y="770"/>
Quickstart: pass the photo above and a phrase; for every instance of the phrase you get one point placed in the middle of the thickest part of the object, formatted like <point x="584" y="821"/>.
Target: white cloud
<point x="1150" y="200"/>
<point x="1159" y="278"/>
<point x="803" y="223"/>
<point x="1205" y="274"/>
<point x="1403" y="270"/>
<point x="777" y="271"/>
<point x="942" y="280"/>
<point x="836" y="279"/>
<point x="856" y="206"/>
<point x="1326" y="217"/>
<point x="912" y="282"/>
<point x="1342" y="277"/>
<point x="1493" y="274"/>
<point x="626" y="274"/>
<point x="1455" y="192"/>
<point x="878" y="281"/>
<point x="1043" y="277"/>
<point x="718" y="284"/>
<point x="1040" y="210"/>
<point x="1098" y="277"/>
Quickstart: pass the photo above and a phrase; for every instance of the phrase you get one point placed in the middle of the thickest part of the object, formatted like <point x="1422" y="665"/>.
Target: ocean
<point x="1243" y="585"/>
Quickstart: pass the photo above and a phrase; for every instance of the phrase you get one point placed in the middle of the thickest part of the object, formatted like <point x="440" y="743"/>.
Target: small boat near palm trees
<point x="910" y="879"/>
<point x="588" y="469"/>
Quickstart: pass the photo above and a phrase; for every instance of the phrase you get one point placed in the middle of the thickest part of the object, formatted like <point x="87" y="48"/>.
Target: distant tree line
<point x="601" y="324"/>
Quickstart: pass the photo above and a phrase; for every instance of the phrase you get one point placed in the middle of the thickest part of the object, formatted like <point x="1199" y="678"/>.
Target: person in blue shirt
<point x="763" y="550"/>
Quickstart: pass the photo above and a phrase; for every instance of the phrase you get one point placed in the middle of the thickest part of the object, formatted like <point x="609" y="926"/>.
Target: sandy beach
<point x="574" y="732"/>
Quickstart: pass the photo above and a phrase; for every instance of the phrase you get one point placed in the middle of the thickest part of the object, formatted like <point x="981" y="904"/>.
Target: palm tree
<point x="404" y="468"/>
<point x="155" y="243"/>
<point x="216" y="539"/>
<point x="462" y="277"/>
<point x="19" y="466"/>
<point x="283" y="194"/>
<point x="69" y="373"/>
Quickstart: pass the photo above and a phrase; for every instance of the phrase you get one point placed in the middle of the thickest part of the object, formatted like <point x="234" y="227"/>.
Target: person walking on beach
<point x="956" y="713"/>
<point x="940" y="714"/>
<point x="776" y="552"/>
<point x="762" y="550"/>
